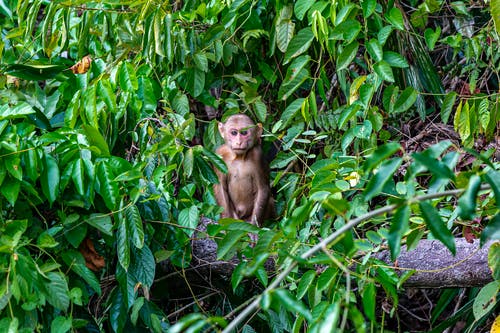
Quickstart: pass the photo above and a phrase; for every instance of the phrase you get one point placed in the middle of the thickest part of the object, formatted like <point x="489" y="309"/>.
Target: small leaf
<point x="433" y="165"/>
<point x="108" y="188"/>
<point x="57" y="291"/>
<point x="447" y="106"/>
<point x="290" y="112"/>
<point x="405" y="100"/>
<point x="399" y="226"/>
<point x="290" y="303"/>
<point x="486" y="300"/>
<point x="347" y="55"/>
<point x="396" y="18"/>
<point x="437" y="226"/>
<point x="380" y="154"/>
<point x="395" y="59"/>
<point x="284" y="34"/>
<point x="467" y="202"/>
<point x="50" y="178"/>
<point x="384" y="71"/>
<point x="368" y="7"/>
<point x="375" y="50"/>
<point x="228" y="242"/>
<point x="188" y="218"/>
<point x="381" y="177"/>
<point x="60" y="324"/>
<point x="369" y="300"/>
<point x="134" y="222"/>
<point x="101" y="222"/>
<point x="20" y="110"/>
<point x="122" y="243"/>
<point x="431" y="37"/>
<point x="492" y="230"/>
<point x="305" y="283"/>
<point x="299" y="44"/>
<point x="301" y="7"/>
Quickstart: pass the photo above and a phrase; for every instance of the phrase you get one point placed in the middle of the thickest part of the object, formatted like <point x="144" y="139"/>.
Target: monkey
<point x="244" y="191"/>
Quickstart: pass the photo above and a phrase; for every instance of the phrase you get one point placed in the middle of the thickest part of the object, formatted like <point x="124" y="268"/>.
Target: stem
<point x="254" y="306"/>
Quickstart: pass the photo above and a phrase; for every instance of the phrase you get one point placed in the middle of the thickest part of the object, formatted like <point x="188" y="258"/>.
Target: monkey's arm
<point x="263" y="193"/>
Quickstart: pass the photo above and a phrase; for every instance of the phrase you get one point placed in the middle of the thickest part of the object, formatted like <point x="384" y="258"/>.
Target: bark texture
<point x="435" y="265"/>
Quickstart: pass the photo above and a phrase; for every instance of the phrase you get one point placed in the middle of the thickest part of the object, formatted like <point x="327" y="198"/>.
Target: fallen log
<point x="435" y="265"/>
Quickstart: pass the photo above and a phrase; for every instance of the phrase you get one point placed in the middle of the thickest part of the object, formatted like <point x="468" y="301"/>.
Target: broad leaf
<point x="50" y="178"/>
<point x="384" y="173"/>
<point x="437" y="226"/>
<point x="299" y="44"/>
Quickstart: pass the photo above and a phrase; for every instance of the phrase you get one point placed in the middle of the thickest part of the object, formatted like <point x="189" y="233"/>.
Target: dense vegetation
<point x="108" y="116"/>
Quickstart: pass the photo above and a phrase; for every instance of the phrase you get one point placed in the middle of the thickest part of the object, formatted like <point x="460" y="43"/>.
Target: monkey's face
<point x="240" y="140"/>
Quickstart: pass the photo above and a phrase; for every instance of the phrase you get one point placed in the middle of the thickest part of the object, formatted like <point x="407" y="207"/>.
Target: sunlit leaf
<point x="299" y="44"/>
<point x="399" y="226"/>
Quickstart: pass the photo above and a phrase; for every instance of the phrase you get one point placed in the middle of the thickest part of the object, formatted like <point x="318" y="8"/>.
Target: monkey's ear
<point x="221" y="128"/>
<point x="258" y="129"/>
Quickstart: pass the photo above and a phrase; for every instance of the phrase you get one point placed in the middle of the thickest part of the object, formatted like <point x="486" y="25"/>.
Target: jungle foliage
<point x="107" y="134"/>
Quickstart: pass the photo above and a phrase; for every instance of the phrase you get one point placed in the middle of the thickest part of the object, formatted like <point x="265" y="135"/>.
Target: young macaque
<point x="244" y="192"/>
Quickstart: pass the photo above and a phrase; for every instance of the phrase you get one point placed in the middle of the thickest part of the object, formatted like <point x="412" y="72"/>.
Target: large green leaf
<point x="467" y="202"/>
<point x="57" y="291"/>
<point x="380" y="154"/>
<point x="127" y="77"/>
<point x="299" y="44"/>
<point x="75" y="261"/>
<point x="347" y="55"/>
<point x="301" y="7"/>
<point x="384" y="173"/>
<point x="495" y="14"/>
<point x="446" y="108"/>
<point x="437" y="226"/>
<point x="108" y="188"/>
<point x="50" y="178"/>
<point x="284" y="30"/>
<point x="134" y="225"/>
<point x="188" y="218"/>
<point x="290" y="303"/>
<point x="123" y="241"/>
<point x="399" y="226"/>
<point x="20" y="110"/>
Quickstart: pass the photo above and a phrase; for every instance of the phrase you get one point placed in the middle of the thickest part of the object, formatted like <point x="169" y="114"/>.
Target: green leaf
<point x="296" y="74"/>
<point x="369" y="300"/>
<point x="467" y="202"/>
<point x="395" y="18"/>
<point x="108" y="188"/>
<point x="107" y="94"/>
<point x="484" y="113"/>
<point x="494" y="256"/>
<point x="284" y="34"/>
<point x="57" y="291"/>
<point x="195" y="81"/>
<point x="291" y="303"/>
<point x="127" y="77"/>
<point x="326" y="279"/>
<point x="90" y="106"/>
<point x="382" y="153"/>
<point x="486" y="300"/>
<point x="493" y="178"/>
<point x="384" y="173"/>
<point x="431" y="37"/>
<point x="181" y="104"/>
<point x="347" y="30"/>
<point x="76" y="263"/>
<point x="226" y="245"/>
<point x="260" y="110"/>
<point x="347" y="55"/>
<point x="375" y="50"/>
<point x="301" y="7"/>
<point x="290" y="112"/>
<point x="20" y="110"/>
<point x="60" y="324"/>
<point x="188" y="218"/>
<point x="122" y="242"/>
<point x="447" y="106"/>
<point x="368" y="7"/>
<point x="437" y="226"/>
<point x="101" y="222"/>
<point x="495" y="14"/>
<point x="78" y="176"/>
<point x="50" y="178"/>
<point x="395" y="59"/>
<point x="405" y="100"/>
<point x="134" y="226"/>
<point x="433" y="165"/>
<point x="398" y="228"/>
<point x="305" y="283"/>
<point x="384" y="71"/>
<point x="299" y="44"/>
<point x="10" y="189"/>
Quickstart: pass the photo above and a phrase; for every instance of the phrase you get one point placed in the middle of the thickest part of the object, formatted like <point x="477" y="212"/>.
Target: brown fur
<point x="243" y="192"/>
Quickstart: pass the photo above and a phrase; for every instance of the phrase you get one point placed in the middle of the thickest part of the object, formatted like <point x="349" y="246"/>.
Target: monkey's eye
<point x="244" y="132"/>
<point x="234" y="132"/>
